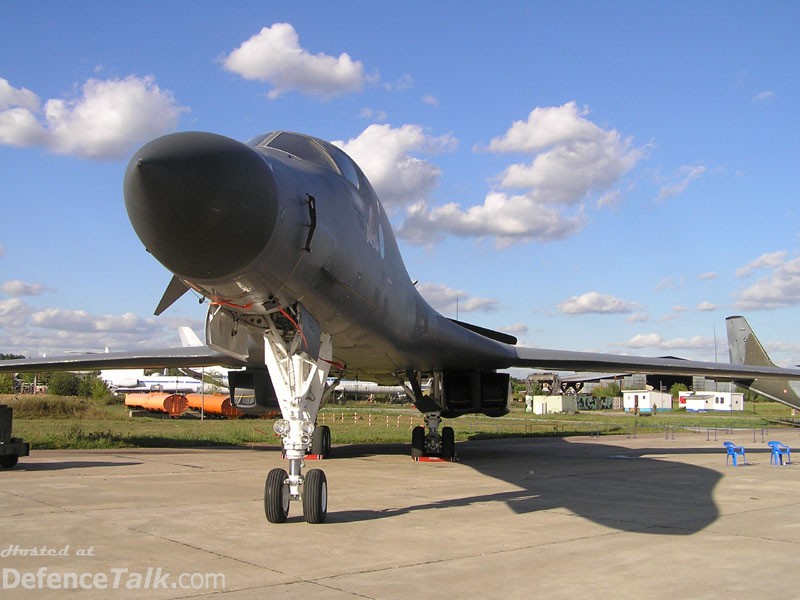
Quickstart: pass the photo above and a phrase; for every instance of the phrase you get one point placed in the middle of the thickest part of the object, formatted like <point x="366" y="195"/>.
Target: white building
<point x="545" y="405"/>
<point x="703" y="401"/>
<point x="645" y="400"/>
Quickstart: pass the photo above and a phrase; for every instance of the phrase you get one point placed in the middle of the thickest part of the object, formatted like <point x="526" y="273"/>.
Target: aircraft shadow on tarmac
<point x="618" y="487"/>
<point x="25" y="466"/>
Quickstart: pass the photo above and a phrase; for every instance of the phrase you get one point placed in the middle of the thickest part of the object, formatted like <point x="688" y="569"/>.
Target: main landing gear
<point x="298" y="367"/>
<point x="433" y="443"/>
<point x="321" y="442"/>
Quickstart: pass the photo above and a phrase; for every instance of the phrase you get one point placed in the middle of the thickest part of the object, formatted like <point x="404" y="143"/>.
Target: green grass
<point x="50" y="422"/>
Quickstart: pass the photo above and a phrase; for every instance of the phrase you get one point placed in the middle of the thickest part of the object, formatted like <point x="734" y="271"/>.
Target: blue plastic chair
<point x="778" y="452"/>
<point x="734" y="451"/>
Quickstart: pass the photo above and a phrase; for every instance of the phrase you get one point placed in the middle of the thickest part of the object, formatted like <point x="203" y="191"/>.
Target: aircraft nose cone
<point x="204" y="205"/>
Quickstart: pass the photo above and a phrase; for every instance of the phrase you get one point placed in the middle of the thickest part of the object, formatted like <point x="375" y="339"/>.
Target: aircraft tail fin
<point x="743" y="345"/>
<point x="189" y="338"/>
<point x="745" y="349"/>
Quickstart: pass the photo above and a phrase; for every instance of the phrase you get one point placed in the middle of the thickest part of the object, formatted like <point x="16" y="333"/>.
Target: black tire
<point x="321" y="441"/>
<point x="315" y="496"/>
<point x="316" y="442"/>
<point x="418" y="442"/>
<point x="326" y="441"/>
<point x="276" y="496"/>
<point x="9" y="461"/>
<point x="448" y="442"/>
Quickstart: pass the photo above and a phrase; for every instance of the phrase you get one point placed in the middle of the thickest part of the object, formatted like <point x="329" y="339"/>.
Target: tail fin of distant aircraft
<point x="189" y="338"/>
<point x="745" y="349"/>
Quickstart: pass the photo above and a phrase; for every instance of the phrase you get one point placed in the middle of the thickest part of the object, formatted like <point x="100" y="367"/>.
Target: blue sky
<point x="611" y="176"/>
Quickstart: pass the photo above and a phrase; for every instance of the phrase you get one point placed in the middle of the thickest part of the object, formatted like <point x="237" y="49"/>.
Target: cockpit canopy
<point x="318" y="152"/>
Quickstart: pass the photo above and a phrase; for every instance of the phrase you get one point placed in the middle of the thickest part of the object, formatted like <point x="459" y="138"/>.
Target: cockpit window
<point x="345" y="163"/>
<point x="256" y="141"/>
<point x="302" y="147"/>
<point x="318" y="152"/>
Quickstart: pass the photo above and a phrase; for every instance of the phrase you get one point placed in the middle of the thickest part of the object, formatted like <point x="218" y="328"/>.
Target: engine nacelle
<point x="457" y="393"/>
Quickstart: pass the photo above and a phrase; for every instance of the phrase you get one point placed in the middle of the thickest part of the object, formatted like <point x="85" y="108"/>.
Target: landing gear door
<point x="312" y="331"/>
<point x="223" y="333"/>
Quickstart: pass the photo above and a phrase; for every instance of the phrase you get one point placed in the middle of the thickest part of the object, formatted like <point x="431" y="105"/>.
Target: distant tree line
<point x="6" y="379"/>
<point x="609" y="390"/>
<point x="59" y="383"/>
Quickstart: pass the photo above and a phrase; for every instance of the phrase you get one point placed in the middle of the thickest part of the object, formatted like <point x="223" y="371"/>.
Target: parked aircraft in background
<point x="305" y="278"/>
<point x="745" y="349"/>
<point x="126" y="381"/>
<point x="131" y="381"/>
<point x="214" y="375"/>
<point x="355" y="387"/>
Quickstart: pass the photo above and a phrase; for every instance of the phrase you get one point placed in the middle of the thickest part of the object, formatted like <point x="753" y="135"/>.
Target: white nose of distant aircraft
<point x="203" y="204"/>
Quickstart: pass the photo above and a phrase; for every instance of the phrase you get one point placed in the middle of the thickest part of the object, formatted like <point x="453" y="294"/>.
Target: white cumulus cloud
<point x="106" y="120"/>
<point x="547" y="126"/>
<point x="768" y="260"/>
<point x="32" y="332"/>
<point x="780" y="288"/>
<point x="16" y="287"/>
<point x="390" y="158"/>
<point x="655" y="341"/>
<point x="505" y="217"/>
<point x="12" y="312"/>
<point x="595" y="302"/>
<point x="274" y="55"/>
<point x="642" y="340"/>
<point x="542" y="199"/>
<point x="82" y="321"/>
<point x="449" y="301"/>
<point x="13" y="97"/>
<point x="515" y="328"/>
<point x="573" y="156"/>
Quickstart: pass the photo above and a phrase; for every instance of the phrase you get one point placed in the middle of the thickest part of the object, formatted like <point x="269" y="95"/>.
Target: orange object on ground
<point x="214" y="404"/>
<point x="172" y="404"/>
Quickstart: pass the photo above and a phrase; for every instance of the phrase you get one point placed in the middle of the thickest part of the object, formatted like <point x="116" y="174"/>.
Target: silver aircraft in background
<point x="305" y="279"/>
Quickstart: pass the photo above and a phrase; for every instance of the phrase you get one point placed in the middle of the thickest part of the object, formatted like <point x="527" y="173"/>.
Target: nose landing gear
<point x="299" y="376"/>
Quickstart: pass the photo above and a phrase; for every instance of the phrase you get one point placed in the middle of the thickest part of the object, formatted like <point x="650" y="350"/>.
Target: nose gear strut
<point x="298" y="365"/>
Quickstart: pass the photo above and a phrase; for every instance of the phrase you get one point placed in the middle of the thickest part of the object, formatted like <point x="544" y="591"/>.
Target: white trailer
<point x="705" y="401"/>
<point x="645" y="401"/>
<point x="545" y="405"/>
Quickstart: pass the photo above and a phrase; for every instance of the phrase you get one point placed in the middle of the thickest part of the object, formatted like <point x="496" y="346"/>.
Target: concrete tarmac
<point x="610" y="517"/>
